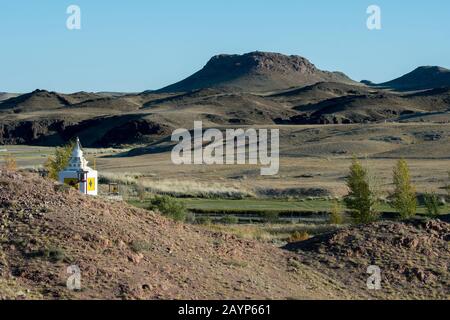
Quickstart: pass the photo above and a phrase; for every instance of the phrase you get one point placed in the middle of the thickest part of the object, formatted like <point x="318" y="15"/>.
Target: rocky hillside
<point x="413" y="257"/>
<point x="129" y="253"/>
<point x="256" y="71"/>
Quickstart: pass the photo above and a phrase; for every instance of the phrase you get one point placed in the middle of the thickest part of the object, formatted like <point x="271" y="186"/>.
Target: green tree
<point x="336" y="216"/>
<point x="404" y="195"/>
<point x="447" y="187"/>
<point x="362" y="198"/>
<point x="59" y="160"/>
<point x="431" y="201"/>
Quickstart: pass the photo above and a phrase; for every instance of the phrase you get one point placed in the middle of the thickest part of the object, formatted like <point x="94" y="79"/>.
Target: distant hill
<point x="256" y="72"/>
<point x="7" y="95"/>
<point x="38" y="99"/>
<point x="257" y="88"/>
<point x="45" y="100"/>
<point x="422" y="78"/>
<point x="318" y="92"/>
<point x="319" y="104"/>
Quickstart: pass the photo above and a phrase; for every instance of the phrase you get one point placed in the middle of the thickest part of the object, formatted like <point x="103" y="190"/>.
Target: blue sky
<point x="146" y="44"/>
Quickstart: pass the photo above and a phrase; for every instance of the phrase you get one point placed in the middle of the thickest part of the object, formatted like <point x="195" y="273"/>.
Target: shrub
<point x="53" y="254"/>
<point x="362" y="198"/>
<point x="140" y="246"/>
<point x="63" y="188"/>
<point x="10" y="163"/>
<point x="431" y="201"/>
<point x="294" y="264"/>
<point x="203" y="220"/>
<point x="190" y="217"/>
<point x="229" y="219"/>
<point x="140" y="190"/>
<point x="298" y="236"/>
<point x="236" y="263"/>
<point x="404" y="196"/>
<point x="169" y="207"/>
<point x="336" y="216"/>
<point x="270" y="216"/>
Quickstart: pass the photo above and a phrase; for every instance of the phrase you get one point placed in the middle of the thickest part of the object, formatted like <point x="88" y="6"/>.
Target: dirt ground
<point x="413" y="257"/>
<point x="125" y="252"/>
<point x="128" y="253"/>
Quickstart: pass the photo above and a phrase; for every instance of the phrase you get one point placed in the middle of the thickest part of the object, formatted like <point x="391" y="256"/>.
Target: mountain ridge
<point x="256" y="71"/>
<point x="421" y="78"/>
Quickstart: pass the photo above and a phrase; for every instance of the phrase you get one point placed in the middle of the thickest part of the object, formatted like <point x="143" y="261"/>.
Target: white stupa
<point x="78" y="174"/>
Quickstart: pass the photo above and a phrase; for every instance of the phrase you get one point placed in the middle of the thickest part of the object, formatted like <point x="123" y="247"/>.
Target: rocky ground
<point x="413" y="257"/>
<point x="129" y="253"/>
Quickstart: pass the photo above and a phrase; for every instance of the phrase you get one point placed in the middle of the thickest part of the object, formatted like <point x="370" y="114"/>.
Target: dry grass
<point x="125" y="178"/>
<point x="299" y="236"/>
<point x="276" y="233"/>
<point x="311" y="157"/>
<point x="191" y="188"/>
<point x="175" y="187"/>
<point x="295" y="172"/>
<point x="9" y="163"/>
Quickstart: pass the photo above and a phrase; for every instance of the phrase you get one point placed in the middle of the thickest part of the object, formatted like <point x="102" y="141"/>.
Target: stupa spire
<point x="78" y="174"/>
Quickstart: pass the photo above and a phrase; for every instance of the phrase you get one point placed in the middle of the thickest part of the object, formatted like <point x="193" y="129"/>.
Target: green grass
<point x="281" y="206"/>
<point x="257" y="205"/>
<point x="261" y="205"/>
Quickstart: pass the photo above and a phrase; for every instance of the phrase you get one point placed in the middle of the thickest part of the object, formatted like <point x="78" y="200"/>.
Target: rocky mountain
<point x="422" y="78"/>
<point x="256" y="72"/>
<point x="256" y="88"/>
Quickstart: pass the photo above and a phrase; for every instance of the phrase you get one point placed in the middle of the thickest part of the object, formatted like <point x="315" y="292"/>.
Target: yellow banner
<point x="91" y="184"/>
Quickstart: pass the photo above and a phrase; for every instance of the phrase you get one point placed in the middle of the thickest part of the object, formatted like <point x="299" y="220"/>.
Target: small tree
<point x="431" y="204"/>
<point x="404" y="195"/>
<point x="362" y="198"/>
<point x="59" y="160"/>
<point x="336" y="216"/>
